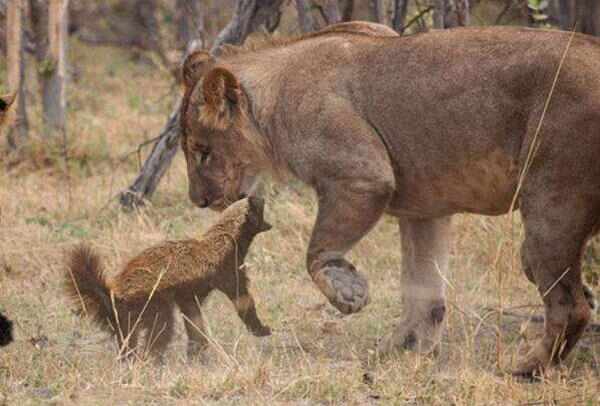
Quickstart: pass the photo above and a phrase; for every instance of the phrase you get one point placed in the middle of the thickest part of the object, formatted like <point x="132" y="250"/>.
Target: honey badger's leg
<point x="556" y="229"/>
<point x="127" y="336"/>
<point x="235" y="286"/>
<point x="189" y="305"/>
<point x="159" y="325"/>
<point x="425" y="252"/>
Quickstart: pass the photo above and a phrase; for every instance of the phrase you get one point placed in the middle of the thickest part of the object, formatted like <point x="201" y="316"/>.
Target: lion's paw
<point x="343" y="285"/>
<point x="534" y="362"/>
<point x="422" y="335"/>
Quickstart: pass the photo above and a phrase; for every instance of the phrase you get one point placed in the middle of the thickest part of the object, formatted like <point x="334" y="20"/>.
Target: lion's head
<point x="219" y="139"/>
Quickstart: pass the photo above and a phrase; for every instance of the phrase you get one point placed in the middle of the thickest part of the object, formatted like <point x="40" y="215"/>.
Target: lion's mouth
<point x="218" y="204"/>
<point x="221" y="203"/>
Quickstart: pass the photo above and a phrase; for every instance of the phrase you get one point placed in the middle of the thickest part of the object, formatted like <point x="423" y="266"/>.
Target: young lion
<point x="143" y="295"/>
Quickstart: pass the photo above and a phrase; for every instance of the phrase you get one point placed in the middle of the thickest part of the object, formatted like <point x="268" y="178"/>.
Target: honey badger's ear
<point x="195" y="66"/>
<point x="222" y="96"/>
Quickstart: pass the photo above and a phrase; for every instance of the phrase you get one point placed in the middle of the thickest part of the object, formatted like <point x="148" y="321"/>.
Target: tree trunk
<point x="54" y="94"/>
<point x="190" y="21"/>
<point x="450" y="13"/>
<point x="566" y="18"/>
<point x="400" y="10"/>
<point x="16" y="71"/>
<point x="156" y="164"/>
<point x="463" y="14"/>
<point x="439" y="14"/>
<point x="248" y="16"/>
<point x="305" y="17"/>
<point x="329" y="10"/>
<point x="348" y="11"/>
<point x="589" y="16"/>
<point x="377" y="9"/>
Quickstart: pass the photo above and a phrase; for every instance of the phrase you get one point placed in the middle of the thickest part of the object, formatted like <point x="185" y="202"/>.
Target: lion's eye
<point x="204" y="152"/>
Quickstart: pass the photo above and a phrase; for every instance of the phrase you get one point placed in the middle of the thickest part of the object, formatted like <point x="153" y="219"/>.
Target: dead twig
<point x="416" y="18"/>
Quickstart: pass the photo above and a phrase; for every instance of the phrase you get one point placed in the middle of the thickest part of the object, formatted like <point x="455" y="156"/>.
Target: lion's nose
<point x="202" y="203"/>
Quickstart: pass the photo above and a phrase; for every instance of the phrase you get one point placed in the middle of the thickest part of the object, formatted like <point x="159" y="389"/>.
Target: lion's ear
<point x="222" y="96"/>
<point x="195" y="66"/>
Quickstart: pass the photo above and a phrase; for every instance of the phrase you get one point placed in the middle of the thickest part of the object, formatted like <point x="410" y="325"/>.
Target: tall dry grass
<point x="314" y="356"/>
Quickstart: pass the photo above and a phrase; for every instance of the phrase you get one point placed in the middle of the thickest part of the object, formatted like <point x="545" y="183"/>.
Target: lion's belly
<point x="485" y="186"/>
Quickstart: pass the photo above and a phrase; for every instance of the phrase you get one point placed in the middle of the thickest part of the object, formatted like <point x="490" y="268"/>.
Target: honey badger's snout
<point x="257" y="211"/>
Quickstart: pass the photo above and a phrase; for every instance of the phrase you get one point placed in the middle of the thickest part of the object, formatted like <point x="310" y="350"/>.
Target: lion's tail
<point x="86" y="283"/>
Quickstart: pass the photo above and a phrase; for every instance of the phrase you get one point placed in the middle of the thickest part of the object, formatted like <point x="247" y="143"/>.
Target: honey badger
<point x="183" y="273"/>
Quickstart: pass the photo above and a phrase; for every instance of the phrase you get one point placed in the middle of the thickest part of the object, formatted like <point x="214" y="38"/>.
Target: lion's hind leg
<point x="555" y="235"/>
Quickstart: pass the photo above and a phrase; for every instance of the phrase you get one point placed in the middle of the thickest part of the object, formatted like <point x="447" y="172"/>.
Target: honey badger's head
<point x="248" y="214"/>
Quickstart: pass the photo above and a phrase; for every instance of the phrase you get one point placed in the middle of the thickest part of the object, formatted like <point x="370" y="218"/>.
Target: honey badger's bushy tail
<point x="86" y="283"/>
<point x="5" y="331"/>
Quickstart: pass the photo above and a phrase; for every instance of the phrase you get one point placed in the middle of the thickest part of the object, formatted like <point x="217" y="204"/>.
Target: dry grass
<point x="314" y="355"/>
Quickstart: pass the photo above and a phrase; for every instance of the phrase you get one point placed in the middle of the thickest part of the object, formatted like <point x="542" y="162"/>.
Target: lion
<point x="143" y="295"/>
<point x="420" y="128"/>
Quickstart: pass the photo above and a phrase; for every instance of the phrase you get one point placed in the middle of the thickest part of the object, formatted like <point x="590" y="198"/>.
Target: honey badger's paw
<point x="5" y="331"/>
<point x="343" y="285"/>
<point x="262" y="331"/>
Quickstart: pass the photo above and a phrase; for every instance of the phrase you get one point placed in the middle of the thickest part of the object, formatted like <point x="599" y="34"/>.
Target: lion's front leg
<point x="347" y="211"/>
<point x="425" y="251"/>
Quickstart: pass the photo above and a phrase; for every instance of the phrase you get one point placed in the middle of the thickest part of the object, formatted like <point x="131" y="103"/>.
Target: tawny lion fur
<point x="418" y="127"/>
<point x="181" y="273"/>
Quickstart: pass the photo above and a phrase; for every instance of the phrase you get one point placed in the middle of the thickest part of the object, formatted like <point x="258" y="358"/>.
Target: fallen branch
<point x="156" y="164"/>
